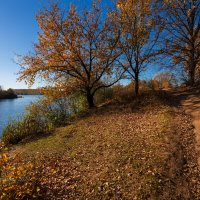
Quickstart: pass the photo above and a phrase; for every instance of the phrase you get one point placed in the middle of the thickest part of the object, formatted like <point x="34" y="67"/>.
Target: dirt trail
<point x="190" y="101"/>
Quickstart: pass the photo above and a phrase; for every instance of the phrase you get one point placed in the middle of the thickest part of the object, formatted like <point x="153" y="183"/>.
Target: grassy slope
<point x="119" y="151"/>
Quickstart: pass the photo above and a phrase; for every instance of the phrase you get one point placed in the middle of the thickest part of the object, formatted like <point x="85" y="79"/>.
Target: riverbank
<point x="14" y="109"/>
<point x="142" y="149"/>
<point x="7" y="94"/>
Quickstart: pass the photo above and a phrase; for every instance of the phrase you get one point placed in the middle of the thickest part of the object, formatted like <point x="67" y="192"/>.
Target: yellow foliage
<point x="18" y="179"/>
<point x="73" y="52"/>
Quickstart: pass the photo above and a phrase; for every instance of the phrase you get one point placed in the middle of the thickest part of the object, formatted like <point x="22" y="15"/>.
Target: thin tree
<point x="140" y="36"/>
<point x="182" y="19"/>
<point x="75" y="51"/>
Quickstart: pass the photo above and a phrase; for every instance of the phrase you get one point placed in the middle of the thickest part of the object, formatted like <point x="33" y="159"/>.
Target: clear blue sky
<point x="18" y="32"/>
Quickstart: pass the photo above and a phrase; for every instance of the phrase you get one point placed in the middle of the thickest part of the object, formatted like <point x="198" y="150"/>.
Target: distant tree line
<point x="27" y="91"/>
<point x="7" y="94"/>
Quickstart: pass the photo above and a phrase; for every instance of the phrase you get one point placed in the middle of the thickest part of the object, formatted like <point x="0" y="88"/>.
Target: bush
<point x="103" y="95"/>
<point x="51" y="113"/>
<point x="77" y="103"/>
<point x="18" y="179"/>
<point x="40" y="118"/>
<point x="27" y="126"/>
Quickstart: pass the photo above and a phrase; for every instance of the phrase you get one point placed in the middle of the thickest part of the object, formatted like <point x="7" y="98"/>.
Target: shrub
<point x="29" y="125"/>
<point x="40" y="118"/>
<point x="18" y="179"/>
<point x="16" y="131"/>
<point x="103" y="95"/>
<point x="77" y="103"/>
<point x="51" y="113"/>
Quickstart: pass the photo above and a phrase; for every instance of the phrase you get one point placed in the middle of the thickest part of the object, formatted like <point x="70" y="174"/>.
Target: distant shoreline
<point x="17" y="93"/>
<point x="7" y="94"/>
<point x="4" y="98"/>
<point x="18" y="96"/>
<point x="27" y="91"/>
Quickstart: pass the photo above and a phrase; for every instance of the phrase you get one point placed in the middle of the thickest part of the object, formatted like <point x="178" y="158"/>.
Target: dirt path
<point x="190" y="101"/>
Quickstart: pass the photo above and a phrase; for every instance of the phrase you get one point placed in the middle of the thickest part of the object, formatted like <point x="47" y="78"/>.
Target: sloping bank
<point x="122" y="150"/>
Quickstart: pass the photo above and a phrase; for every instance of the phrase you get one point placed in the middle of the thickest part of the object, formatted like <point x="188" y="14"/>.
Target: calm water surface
<point x="13" y="108"/>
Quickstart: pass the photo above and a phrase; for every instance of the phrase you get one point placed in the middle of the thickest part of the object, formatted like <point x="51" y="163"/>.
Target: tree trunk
<point x="192" y="76"/>
<point x="90" y="99"/>
<point x="192" y="67"/>
<point x="136" y="84"/>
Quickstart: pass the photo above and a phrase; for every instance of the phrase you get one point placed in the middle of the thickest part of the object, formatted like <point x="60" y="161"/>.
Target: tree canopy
<point x="140" y="33"/>
<point x="90" y="49"/>
<point x="75" y="51"/>
<point x="182" y="25"/>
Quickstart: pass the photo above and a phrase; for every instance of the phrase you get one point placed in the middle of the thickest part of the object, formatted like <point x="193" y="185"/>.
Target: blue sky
<point x="18" y="32"/>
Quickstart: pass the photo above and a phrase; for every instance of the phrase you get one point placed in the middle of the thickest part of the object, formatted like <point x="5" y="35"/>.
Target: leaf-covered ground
<point x="138" y="150"/>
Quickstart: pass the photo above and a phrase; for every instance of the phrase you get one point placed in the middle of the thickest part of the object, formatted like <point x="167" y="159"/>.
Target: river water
<point x="13" y="108"/>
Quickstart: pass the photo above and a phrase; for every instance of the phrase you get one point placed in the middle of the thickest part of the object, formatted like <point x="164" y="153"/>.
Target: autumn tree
<point x="165" y="80"/>
<point x="76" y="51"/>
<point x="140" y="35"/>
<point x="182" y="19"/>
